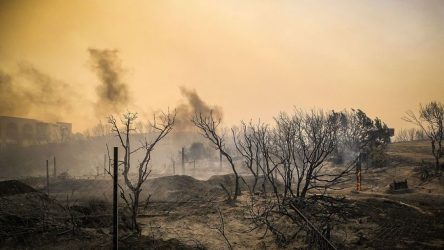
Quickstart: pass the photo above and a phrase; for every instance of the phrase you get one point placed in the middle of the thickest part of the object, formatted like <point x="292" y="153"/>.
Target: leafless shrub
<point x="220" y="228"/>
<point x="72" y="219"/>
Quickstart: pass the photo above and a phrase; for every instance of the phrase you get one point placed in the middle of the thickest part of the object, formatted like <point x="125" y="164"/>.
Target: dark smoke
<point x="195" y="105"/>
<point x="112" y="92"/>
<point x="30" y="92"/>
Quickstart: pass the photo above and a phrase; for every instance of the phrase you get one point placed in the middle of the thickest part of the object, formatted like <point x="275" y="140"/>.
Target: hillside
<point x="412" y="152"/>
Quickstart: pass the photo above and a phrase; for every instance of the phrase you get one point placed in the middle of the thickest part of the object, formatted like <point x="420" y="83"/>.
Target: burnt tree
<point x="208" y="126"/>
<point x="123" y="132"/>
<point x="295" y="157"/>
<point x="430" y="121"/>
<point x="248" y="149"/>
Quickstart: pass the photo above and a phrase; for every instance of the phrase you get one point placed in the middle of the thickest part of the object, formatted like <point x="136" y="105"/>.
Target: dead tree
<point x="295" y="159"/>
<point x="263" y="141"/>
<point x="431" y="122"/>
<point x="248" y="149"/>
<point x="304" y="142"/>
<point x="143" y="171"/>
<point x="209" y="126"/>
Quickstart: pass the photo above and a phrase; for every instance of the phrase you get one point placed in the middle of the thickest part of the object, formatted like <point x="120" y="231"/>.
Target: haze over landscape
<point x="221" y="124"/>
<point x="251" y="58"/>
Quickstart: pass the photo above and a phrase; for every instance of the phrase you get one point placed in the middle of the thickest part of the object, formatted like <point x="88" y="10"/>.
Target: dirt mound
<point x="13" y="187"/>
<point x="78" y="185"/>
<point x="177" y="188"/>
<point x="228" y="181"/>
<point x="216" y="179"/>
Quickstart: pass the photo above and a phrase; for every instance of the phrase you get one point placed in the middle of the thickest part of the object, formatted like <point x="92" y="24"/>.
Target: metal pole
<point x="47" y="177"/>
<point x="115" y="215"/>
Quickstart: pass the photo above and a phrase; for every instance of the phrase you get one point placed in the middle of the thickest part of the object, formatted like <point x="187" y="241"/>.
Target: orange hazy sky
<point x="252" y="58"/>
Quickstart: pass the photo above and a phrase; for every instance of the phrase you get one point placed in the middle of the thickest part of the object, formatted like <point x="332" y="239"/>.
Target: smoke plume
<point x="194" y="105"/>
<point x="30" y="92"/>
<point x="112" y="93"/>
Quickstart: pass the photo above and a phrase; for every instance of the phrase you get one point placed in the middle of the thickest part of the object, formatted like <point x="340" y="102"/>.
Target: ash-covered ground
<point x="183" y="212"/>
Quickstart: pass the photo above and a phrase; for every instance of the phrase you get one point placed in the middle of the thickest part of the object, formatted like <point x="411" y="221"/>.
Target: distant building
<point x="15" y="130"/>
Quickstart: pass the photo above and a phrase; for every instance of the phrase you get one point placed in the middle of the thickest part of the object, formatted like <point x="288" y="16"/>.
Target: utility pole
<point x="47" y="177"/>
<point x="115" y="215"/>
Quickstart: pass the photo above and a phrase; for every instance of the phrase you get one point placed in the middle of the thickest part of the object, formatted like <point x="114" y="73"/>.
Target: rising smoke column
<point x="113" y="96"/>
<point x="194" y="105"/>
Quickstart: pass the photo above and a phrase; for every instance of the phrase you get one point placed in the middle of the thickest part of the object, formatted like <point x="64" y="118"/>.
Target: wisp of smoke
<point x="194" y="105"/>
<point x="30" y="92"/>
<point x="112" y="92"/>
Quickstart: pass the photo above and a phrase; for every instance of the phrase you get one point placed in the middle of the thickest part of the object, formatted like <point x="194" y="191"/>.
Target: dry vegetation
<point x="184" y="212"/>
